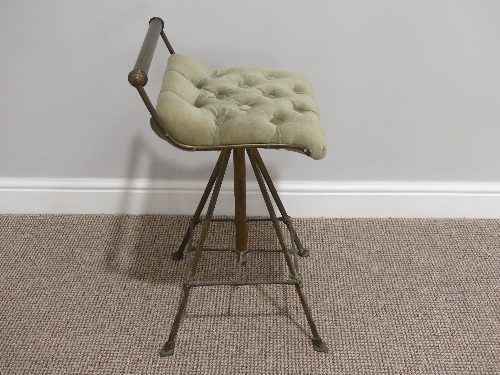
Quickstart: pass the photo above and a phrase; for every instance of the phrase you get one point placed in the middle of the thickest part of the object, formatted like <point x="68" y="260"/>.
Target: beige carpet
<point x="97" y="294"/>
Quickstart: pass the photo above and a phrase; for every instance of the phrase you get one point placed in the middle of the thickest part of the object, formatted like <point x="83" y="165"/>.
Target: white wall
<point x="409" y="91"/>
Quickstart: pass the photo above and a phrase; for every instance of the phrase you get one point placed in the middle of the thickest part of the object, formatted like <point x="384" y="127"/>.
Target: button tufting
<point x="298" y="90"/>
<point x="277" y="119"/>
<point x="234" y="100"/>
<point x="219" y="120"/>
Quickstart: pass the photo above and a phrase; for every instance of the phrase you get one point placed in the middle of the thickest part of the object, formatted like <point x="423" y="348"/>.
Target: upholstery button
<point x="199" y="84"/>
<point x="220" y="119"/>
<point x="245" y="107"/>
<point x="277" y="119"/>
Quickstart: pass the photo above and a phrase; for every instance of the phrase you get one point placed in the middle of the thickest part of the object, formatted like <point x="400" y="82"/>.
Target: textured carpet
<point x="97" y="294"/>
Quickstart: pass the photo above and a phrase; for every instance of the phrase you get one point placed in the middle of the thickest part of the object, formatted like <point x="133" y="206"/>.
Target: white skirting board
<point x="301" y="199"/>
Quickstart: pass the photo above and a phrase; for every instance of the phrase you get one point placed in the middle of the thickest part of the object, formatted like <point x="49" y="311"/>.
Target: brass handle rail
<point x="139" y="75"/>
<point x="138" y="78"/>
<point x="149" y="45"/>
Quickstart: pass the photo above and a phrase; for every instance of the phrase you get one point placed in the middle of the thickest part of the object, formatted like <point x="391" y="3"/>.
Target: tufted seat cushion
<point x="201" y="106"/>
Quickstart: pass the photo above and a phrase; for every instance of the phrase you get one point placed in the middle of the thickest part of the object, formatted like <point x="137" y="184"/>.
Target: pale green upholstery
<point x="201" y="106"/>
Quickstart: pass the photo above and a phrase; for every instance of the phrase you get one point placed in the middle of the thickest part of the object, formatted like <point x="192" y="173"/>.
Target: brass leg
<point x="240" y="210"/>
<point x="303" y="252"/>
<point x="318" y="344"/>
<point x="168" y="348"/>
<point x="179" y="253"/>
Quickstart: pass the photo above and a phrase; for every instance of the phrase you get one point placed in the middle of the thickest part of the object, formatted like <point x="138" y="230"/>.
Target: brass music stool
<point x="232" y="110"/>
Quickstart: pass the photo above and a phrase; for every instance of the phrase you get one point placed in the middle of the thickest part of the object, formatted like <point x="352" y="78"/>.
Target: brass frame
<point x="138" y="78"/>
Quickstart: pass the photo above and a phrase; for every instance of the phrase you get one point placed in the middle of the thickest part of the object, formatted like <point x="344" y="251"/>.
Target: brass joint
<point x="298" y="280"/>
<point x="137" y="78"/>
<point x="196" y="221"/>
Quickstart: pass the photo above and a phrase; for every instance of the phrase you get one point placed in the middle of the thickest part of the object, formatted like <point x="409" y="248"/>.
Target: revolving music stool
<point x="232" y="110"/>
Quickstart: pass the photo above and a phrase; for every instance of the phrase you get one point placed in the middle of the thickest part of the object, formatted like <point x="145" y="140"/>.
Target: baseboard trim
<point x="302" y="199"/>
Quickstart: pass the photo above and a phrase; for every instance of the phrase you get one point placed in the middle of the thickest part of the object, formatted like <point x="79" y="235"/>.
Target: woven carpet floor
<point x="97" y="294"/>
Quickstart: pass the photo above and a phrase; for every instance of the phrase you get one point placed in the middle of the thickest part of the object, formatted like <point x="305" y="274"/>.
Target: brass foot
<point x="177" y="255"/>
<point x="168" y="349"/>
<point x="319" y="345"/>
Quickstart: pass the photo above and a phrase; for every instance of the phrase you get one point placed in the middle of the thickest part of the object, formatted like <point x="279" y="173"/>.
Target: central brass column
<point x="240" y="203"/>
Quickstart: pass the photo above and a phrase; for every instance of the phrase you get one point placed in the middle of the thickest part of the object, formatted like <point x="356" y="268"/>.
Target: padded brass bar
<point x="149" y="45"/>
<point x="138" y="77"/>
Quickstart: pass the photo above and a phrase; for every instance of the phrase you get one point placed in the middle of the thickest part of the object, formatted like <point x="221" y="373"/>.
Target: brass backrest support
<point x="167" y="43"/>
<point x="138" y="78"/>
